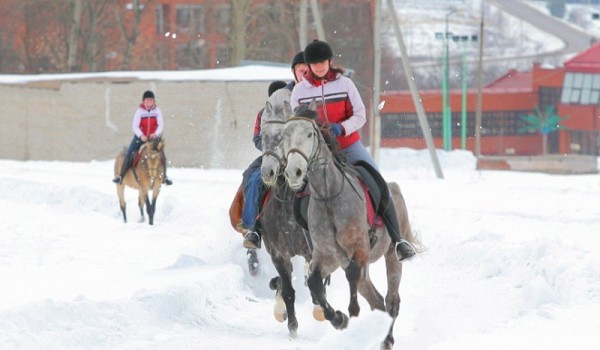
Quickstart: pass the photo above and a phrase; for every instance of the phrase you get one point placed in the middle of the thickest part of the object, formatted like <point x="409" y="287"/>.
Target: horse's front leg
<point x="142" y="199"/>
<point x="353" y="273"/>
<point x="122" y="203"/>
<point x="317" y="290"/>
<point x="151" y="206"/>
<point x="286" y="292"/>
<point x="392" y="298"/>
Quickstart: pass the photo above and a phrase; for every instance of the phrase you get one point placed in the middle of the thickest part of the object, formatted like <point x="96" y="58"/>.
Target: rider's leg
<point x="252" y="184"/>
<point x="404" y="250"/>
<point x="134" y="145"/>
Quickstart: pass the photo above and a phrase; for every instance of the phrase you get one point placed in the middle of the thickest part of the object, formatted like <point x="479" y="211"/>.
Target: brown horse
<point x="147" y="175"/>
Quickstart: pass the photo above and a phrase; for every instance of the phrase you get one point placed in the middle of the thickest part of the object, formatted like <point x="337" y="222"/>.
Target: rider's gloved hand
<point x="336" y="129"/>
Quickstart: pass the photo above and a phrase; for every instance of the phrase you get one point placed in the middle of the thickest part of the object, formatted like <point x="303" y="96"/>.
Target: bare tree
<point x="74" y="35"/>
<point x="97" y="19"/>
<point x="239" y="27"/>
<point x="129" y="37"/>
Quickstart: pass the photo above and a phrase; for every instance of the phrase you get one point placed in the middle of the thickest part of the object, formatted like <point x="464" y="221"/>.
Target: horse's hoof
<point x="294" y="334"/>
<point x="340" y="320"/>
<point x="274" y="283"/>
<point x="318" y="313"/>
<point x="279" y="310"/>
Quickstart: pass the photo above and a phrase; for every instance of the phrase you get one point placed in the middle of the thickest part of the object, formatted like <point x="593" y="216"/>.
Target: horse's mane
<point x="305" y="111"/>
<point x="279" y="97"/>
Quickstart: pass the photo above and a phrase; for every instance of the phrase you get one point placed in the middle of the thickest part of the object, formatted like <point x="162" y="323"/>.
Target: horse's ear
<point x="313" y="105"/>
<point x="287" y="109"/>
<point x="160" y="145"/>
<point x="268" y="108"/>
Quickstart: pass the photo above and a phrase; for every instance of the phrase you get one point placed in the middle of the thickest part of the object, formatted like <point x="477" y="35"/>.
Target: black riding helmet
<point x="148" y="94"/>
<point x="299" y="58"/>
<point x="317" y="51"/>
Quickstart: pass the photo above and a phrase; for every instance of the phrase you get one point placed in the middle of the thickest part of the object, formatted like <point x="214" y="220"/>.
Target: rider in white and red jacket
<point x="341" y="108"/>
<point x="147" y="125"/>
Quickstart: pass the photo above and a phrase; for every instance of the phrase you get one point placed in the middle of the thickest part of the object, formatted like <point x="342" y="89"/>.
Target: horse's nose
<point x="293" y="176"/>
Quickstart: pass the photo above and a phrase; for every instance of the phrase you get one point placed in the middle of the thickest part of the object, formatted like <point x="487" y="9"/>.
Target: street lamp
<point x="463" y="121"/>
<point x="446" y="111"/>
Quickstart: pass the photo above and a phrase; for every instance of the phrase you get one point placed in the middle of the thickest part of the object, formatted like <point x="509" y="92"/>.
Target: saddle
<point x="135" y="158"/>
<point x="237" y="205"/>
<point x="372" y="183"/>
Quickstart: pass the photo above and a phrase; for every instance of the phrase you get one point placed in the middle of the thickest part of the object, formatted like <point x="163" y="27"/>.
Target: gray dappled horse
<point x="337" y="222"/>
<point x="282" y="237"/>
<point x="147" y="175"/>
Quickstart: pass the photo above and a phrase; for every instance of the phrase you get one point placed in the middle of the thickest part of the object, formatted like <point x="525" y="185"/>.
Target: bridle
<point x="280" y="159"/>
<point x="310" y="159"/>
<point x="149" y="148"/>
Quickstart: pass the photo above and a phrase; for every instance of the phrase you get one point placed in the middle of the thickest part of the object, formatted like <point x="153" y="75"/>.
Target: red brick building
<point x="574" y="90"/>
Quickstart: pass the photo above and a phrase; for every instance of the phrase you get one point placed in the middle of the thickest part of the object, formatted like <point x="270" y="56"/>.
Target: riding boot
<point x="404" y="250"/>
<point x="252" y="240"/>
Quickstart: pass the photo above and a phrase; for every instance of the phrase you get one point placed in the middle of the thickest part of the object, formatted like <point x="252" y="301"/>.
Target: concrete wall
<point x="552" y="164"/>
<point x="207" y="124"/>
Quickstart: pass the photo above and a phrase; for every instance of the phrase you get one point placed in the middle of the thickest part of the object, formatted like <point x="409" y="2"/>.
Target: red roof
<point x="587" y="61"/>
<point x="513" y="81"/>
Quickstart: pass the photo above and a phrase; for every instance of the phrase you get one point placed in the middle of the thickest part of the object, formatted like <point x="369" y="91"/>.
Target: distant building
<point x="574" y="91"/>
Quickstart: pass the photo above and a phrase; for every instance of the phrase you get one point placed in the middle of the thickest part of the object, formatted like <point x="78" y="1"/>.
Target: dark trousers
<point x="134" y="146"/>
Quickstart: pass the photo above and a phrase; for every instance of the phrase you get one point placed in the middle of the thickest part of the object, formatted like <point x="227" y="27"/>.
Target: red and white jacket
<point x="147" y="121"/>
<point x="338" y="101"/>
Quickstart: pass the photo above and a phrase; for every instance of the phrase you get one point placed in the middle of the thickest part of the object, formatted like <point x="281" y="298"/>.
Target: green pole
<point x="445" y="94"/>
<point x="463" y="121"/>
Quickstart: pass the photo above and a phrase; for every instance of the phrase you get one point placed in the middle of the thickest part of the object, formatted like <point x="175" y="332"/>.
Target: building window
<point x="162" y="19"/>
<point x="223" y="25"/>
<point x="190" y="19"/>
<point x="191" y="56"/>
<point x="223" y="55"/>
<point x="549" y="96"/>
<point x="406" y="125"/>
<point x="581" y="88"/>
<point x="504" y="123"/>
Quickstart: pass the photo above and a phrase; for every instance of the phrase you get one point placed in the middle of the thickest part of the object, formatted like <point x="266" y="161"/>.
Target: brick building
<point x="574" y="91"/>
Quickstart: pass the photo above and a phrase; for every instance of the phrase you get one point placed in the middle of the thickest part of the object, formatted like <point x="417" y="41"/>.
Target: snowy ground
<point x="512" y="262"/>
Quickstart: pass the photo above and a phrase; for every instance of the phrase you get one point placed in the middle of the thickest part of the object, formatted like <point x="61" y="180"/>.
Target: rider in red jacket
<point x="341" y="108"/>
<point x="147" y="125"/>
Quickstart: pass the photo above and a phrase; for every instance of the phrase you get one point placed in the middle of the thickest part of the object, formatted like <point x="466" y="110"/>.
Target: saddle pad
<point x="136" y="159"/>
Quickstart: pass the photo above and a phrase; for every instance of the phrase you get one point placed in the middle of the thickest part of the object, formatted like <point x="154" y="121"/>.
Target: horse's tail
<point x="402" y="212"/>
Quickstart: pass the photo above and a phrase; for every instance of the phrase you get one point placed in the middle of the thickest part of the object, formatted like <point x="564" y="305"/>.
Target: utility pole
<point x="479" y="88"/>
<point x="415" y="94"/>
<point x="376" y="120"/>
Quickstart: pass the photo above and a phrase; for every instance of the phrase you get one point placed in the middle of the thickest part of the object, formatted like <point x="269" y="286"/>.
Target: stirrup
<point x="252" y="240"/>
<point x="405" y="251"/>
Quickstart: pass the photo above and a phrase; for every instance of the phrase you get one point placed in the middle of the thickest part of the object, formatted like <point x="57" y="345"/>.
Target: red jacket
<point x="338" y="101"/>
<point x="147" y="122"/>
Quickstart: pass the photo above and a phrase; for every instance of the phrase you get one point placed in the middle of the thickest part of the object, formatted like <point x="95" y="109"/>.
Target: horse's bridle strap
<point x="274" y="155"/>
<point x="299" y="151"/>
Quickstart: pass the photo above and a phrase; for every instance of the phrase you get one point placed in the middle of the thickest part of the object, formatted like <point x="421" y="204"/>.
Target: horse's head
<point x="277" y="110"/>
<point x="301" y="139"/>
<point x="152" y="157"/>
